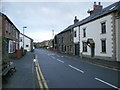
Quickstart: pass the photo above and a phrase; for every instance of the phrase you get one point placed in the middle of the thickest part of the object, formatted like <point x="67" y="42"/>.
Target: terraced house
<point x="10" y="40"/>
<point x="65" y="39"/>
<point x="99" y="33"/>
<point x="96" y="36"/>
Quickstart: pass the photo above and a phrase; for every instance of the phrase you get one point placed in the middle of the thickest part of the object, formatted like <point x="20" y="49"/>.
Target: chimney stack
<point x="94" y="3"/>
<point x="76" y="20"/>
<point x="96" y="8"/>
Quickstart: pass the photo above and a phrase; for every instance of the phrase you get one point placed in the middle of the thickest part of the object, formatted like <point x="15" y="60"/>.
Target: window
<point x="103" y="45"/>
<point x="75" y="34"/>
<point x="6" y="27"/>
<point x="20" y="39"/>
<point x="27" y="45"/>
<point x="84" y="47"/>
<point x="65" y="47"/>
<point x="11" y="47"/>
<point x="84" y="32"/>
<point x="103" y="27"/>
<point x="70" y="47"/>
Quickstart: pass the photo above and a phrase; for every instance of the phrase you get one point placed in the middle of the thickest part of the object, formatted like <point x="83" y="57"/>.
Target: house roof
<point x="27" y="36"/>
<point x="103" y="12"/>
<point x="68" y="28"/>
<point x="9" y="21"/>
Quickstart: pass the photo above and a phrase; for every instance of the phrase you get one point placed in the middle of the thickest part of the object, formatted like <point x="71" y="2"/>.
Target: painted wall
<point x="27" y="41"/>
<point x="76" y="39"/>
<point x="118" y="39"/>
<point x="93" y="30"/>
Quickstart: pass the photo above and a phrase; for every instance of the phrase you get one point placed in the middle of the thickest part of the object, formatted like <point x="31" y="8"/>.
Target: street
<point x="55" y="70"/>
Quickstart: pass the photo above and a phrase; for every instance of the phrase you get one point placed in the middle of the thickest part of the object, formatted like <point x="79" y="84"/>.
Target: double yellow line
<point x="41" y="79"/>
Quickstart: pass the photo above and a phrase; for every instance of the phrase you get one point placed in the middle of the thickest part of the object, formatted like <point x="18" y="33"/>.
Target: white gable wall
<point x="93" y="30"/>
<point x="27" y="42"/>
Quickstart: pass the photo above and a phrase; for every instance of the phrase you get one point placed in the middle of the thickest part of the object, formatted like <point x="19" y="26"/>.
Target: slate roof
<point x="103" y="12"/>
<point x="9" y="20"/>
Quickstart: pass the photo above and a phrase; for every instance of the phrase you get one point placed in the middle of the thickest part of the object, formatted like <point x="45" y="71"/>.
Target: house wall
<point x="0" y="51"/>
<point x="27" y="43"/>
<point x="9" y="33"/>
<point x="65" y="42"/>
<point x="76" y="39"/>
<point x="93" y="30"/>
<point x="118" y="39"/>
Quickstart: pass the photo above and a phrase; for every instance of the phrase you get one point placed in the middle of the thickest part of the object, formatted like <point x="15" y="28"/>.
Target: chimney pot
<point x="99" y="3"/>
<point x="76" y="20"/>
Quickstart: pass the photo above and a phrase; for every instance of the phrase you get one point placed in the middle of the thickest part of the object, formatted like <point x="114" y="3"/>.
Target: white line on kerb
<point x="60" y="61"/>
<point x="76" y="68"/>
<point x="107" y="83"/>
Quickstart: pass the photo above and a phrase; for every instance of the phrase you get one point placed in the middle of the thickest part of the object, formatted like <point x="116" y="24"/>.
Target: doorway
<point x="76" y="49"/>
<point x="92" y="51"/>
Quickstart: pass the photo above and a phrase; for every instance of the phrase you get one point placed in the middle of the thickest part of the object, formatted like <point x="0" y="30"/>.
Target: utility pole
<point x="23" y="38"/>
<point x="53" y="38"/>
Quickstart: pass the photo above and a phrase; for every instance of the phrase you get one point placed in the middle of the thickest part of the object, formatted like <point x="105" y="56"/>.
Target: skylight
<point x="112" y="8"/>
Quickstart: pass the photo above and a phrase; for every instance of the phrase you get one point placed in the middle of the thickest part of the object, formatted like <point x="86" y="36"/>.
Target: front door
<point x="76" y="49"/>
<point x="92" y="51"/>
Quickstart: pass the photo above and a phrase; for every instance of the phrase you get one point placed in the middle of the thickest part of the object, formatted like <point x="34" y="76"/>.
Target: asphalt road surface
<point x="47" y="69"/>
<point x="62" y="72"/>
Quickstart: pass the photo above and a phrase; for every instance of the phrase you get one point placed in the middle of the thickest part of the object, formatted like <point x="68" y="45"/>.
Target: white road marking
<point x="60" y="61"/>
<point x="48" y="54"/>
<point x="76" y="68"/>
<point x="53" y="57"/>
<point x="58" y="56"/>
<point x="62" y="56"/>
<point x="107" y="83"/>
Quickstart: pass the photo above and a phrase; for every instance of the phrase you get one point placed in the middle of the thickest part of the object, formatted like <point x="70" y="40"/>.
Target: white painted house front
<point x="93" y="31"/>
<point x="99" y="34"/>
<point x="28" y="43"/>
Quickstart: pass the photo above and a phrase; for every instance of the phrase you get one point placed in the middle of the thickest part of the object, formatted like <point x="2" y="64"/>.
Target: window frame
<point x="84" y="32"/>
<point x="84" y="46"/>
<point x="103" y="46"/>
<point x="103" y="27"/>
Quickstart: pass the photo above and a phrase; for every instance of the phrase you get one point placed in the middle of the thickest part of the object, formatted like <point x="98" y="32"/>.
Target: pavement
<point x="24" y="77"/>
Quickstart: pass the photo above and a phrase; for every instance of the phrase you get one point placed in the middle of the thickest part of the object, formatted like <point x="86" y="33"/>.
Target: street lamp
<point x="23" y="37"/>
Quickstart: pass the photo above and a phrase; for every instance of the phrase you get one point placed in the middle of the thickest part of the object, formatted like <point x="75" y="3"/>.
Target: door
<point x="76" y="49"/>
<point x="92" y="51"/>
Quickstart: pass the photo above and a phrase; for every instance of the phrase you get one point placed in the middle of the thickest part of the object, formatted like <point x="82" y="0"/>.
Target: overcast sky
<point x="43" y="17"/>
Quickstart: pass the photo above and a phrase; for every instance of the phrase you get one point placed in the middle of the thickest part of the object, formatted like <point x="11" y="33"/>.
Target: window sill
<point x="102" y="33"/>
<point x="84" y="51"/>
<point x="103" y="52"/>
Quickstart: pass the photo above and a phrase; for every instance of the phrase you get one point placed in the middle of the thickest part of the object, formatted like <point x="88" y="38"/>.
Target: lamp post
<point x="23" y="37"/>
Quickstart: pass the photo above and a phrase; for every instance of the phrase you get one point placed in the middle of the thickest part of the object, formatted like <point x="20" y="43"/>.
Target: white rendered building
<point x="28" y="43"/>
<point x="99" y="34"/>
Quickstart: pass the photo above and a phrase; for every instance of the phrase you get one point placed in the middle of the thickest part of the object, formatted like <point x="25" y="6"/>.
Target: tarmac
<point x="114" y="65"/>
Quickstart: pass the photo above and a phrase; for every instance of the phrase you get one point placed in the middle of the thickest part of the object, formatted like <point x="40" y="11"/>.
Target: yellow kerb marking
<point x="39" y="81"/>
